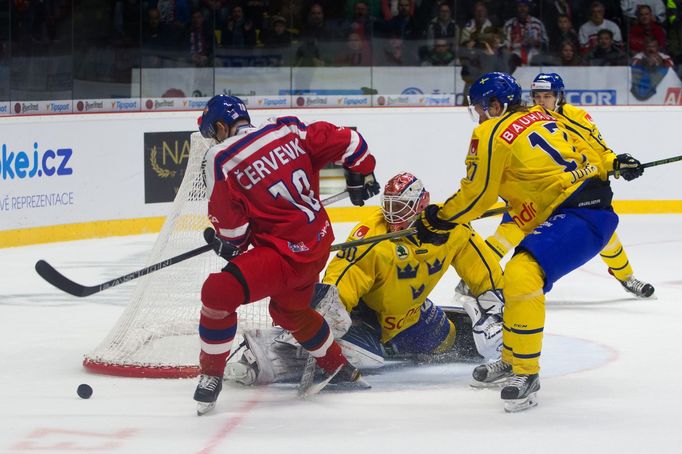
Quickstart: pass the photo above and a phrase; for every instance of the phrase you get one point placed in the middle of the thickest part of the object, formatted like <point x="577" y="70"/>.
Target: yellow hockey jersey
<point x="528" y="159"/>
<point x="393" y="278"/>
<point x="578" y="121"/>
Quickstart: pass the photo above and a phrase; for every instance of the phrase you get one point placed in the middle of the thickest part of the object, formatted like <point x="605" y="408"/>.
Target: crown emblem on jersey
<point x="408" y="272"/>
<point x="436" y="267"/>
<point x="401" y="251"/>
<point x="416" y="292"/>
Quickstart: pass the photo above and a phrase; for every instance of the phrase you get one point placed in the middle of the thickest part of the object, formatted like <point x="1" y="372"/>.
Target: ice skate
<point x="638" y="288"/>
<point x="491" y="375"/>
<point x="207" y="392"/>
<point x="520" y="393"/>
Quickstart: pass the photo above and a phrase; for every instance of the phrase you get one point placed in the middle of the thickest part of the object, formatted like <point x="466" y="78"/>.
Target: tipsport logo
<point x="39" y="163"/>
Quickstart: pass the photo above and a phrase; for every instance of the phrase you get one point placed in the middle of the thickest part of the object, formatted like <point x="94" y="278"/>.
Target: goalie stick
<point x="402" y="233"/>
<point x="63" y="283"/>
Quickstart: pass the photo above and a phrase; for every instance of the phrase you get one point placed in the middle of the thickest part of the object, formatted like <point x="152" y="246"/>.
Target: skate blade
<point x="517" y="405"/>
<point x="204" y="407"/>
<point x="483" y="385"/>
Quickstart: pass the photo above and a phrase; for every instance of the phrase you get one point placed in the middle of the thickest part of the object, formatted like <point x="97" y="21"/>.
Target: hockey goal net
<point x="157" y="334"/>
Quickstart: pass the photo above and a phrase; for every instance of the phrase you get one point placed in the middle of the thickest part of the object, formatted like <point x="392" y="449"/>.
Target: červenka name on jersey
<point x="265" y="165"/>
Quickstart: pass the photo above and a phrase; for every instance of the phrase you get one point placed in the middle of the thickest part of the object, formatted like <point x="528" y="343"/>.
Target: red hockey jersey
<point x="263" y="184"/>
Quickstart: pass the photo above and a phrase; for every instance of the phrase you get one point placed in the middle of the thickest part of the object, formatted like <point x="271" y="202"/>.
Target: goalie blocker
<point x="273" y="355"/>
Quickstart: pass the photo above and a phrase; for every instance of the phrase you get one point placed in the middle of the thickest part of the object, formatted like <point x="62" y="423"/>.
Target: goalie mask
<point x="403" y="199"/>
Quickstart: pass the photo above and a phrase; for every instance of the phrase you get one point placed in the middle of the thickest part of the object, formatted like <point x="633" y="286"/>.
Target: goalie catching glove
<point x="627" y="166"/>
<point x="361" y="187"/>
<point x="431" y="229"/>
<point x="221" y="247"/>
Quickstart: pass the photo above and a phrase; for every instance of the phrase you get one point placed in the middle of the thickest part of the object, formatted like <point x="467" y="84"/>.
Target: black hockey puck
<point x="84" y="391"/>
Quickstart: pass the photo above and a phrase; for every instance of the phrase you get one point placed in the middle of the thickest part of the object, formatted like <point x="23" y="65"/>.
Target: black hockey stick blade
<point x="63" y="283"/>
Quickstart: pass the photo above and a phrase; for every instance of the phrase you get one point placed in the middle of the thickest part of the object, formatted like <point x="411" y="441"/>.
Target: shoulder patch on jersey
<point x="588" y="117"/>
<point x="401" y="251"/>
<point x="361" y="231"/>
<point x="473" y="147"/>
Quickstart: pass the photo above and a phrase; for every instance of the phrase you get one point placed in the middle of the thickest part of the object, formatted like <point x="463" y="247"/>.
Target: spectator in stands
<point x="651" y="56"/>
<point x="199" y="40"/>
<point x="442" y="26"/>
<point x="550" y="11"/>
<point x="648" y="70"/>
<point x="631" y="8"/>
<point x="357" y="52"/>
<point x="525" y="35"/>
<point x="440" y="54"/>
<point x="175" y="13"/>
<point x="564" y="31"/>
<point x="569" y="55"/>
<point x="374" y="8"/>
<point x="498" y="10"/>
<point x="403" y="24"/>
<point x="645" y="27"/>
<point x="477" y="25"/>
<point x="362" y="22"/>
<point x="391" y="8"/>
<point x="277" y="34"/>
<point x="316" y="27"/>
<point x="486" y="55"/>
<point x="674" y="41"/>
<point x="218" y="10"/>
<point x="393" y="53"/>
<point x="589" y="30"/>
<point x="239" y="32"/>
<point x="607" y="53"/>
<point x="157" y="40"/>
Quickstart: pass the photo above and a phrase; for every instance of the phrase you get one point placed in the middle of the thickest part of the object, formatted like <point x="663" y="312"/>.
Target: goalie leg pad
<point x="264" y="361"/>
<point x="362" y="347"/>
<point x="326" y="302"/>
<point x="486" y="319"/>
<point x="433" y="332"/>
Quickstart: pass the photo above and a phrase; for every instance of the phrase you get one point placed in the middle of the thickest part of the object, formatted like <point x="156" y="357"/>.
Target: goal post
<point x="157" y="334"/>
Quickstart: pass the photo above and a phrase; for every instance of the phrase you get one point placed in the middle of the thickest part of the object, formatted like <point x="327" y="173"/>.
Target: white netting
<point x="157" y="335"/>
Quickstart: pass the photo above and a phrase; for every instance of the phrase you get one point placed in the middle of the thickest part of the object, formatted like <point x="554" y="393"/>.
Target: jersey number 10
<point x="305" y="195"/>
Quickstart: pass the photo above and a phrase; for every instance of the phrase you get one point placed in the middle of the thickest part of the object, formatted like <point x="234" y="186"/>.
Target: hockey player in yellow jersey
<point x="392" y="279"/>
<point x="384" y="286"/>
<point x="558" y="196"/>
<point x="547" y="91"/>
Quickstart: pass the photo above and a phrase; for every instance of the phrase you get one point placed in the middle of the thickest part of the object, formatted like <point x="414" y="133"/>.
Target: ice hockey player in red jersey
<point x="263" y="186"/>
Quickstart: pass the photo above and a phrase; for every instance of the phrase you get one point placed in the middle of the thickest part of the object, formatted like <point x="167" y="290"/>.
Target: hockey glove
<point x="361" y="187"/>
<point x="627" y="166"/>
<point x="221" y="247"/>
<point x="431" y="229"/>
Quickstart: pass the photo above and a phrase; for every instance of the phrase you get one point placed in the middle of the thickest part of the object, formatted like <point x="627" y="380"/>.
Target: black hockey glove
<point x="220" y="246"/>
<point x="627" y="166"/>
<point x="361" y="187"/>
<point x="431" y="229"/>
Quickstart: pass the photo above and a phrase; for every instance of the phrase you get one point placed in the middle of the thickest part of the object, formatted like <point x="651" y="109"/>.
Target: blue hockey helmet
<point x="549" y="82"/>
<point x="224" y="108"/>
<point x="499" y="86"/>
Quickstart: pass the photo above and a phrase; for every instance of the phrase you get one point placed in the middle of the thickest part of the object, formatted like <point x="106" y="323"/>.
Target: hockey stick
<point x="63" y="283"/>
<point x="659" y="162"/>
<point x="402" y="233"/>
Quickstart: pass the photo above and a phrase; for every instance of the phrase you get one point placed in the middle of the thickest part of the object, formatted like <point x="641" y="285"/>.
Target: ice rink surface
<point x="611" y="378"/>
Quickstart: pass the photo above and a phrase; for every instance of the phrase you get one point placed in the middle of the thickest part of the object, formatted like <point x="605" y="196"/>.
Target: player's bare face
<point x="221" y="131"/>
<point x="545" y="99"/>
